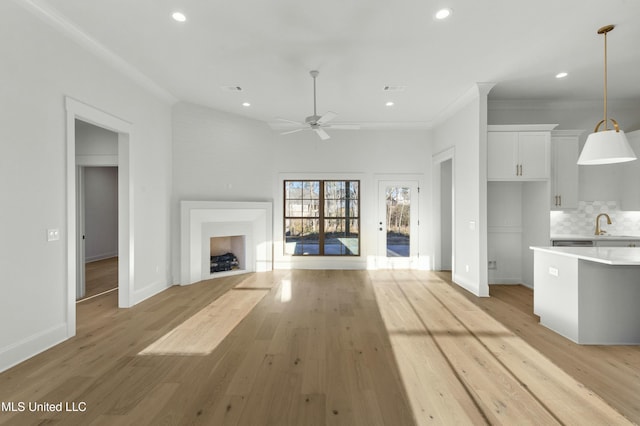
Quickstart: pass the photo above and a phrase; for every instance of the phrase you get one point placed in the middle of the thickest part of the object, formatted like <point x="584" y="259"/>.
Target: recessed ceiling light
<point x="561" y="75"/>
<point x="246" y="104"/>
<point x="443" y="14"/>
<point x="390" y="103"/>
<point x="179" y="16"/>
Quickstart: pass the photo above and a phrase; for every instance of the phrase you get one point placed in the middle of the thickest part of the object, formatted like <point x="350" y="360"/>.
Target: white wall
<point x="224" y="157"/>
<point x="218" y="156"/>
<point x="40" y="66"/>
<point x="466" y="131"/>
<point x="101" y="212"/>
<point x="569" y="115"/>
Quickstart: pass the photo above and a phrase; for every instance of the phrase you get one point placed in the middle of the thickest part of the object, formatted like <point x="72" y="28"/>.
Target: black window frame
<point x="349" y="202"/>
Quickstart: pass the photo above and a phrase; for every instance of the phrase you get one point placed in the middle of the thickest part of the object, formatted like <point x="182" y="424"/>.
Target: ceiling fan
<point x="316" y="122"/>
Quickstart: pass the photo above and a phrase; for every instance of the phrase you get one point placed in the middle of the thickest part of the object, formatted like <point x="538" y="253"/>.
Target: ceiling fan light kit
<point x="606" y="146"/>
<point x="316" y="122"/>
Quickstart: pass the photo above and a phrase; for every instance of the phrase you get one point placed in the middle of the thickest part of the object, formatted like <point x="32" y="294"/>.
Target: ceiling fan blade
<point x="327" y="117"/>
<point x="291" y="131"/>
<point x="344" y="126"/>
<point x="290" y="121"/>
<point x="323" y="135"/>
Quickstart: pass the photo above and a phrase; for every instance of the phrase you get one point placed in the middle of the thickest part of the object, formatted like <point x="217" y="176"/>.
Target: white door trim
<point x="438" y="159"/>
<point x="78" y="110"/>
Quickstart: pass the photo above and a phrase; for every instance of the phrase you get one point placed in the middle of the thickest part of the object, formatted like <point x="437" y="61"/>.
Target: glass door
<point x="397" y="224"/>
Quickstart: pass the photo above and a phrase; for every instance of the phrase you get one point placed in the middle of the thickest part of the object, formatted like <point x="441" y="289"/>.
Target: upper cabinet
<point x="630" y="177"/>
<point x="518" y="152"/>
<point x="564" y="169"/>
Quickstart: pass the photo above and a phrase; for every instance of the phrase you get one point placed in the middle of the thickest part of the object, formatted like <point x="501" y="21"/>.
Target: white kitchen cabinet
<point x="630" y="177"/>
<point x="564" y="169"/>
<point x="518" y="153"/>
<point x="617" y="243"/>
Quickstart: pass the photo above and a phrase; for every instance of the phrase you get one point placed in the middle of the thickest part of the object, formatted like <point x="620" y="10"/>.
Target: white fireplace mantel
<point x="201" y="220"/>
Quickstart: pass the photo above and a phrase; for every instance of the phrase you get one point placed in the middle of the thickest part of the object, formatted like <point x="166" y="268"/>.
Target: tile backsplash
<point x="582" y="221"/>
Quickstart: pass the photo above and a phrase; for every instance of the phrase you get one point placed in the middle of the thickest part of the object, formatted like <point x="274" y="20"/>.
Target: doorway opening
<point x="446" y="215"/>
<point x="444" y="166"/>
<point x="80" y="113"/>
<point x="98" y="220"/>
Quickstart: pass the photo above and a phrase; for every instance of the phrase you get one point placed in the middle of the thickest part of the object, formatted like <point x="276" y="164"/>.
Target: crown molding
<point x="59" y="22"/>
<point x="545" y="104"/>
<point x="475" y="92"/>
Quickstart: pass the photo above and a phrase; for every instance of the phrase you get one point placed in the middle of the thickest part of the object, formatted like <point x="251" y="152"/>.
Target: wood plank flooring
<point x="336" y="347"/>
<point x="101" y="276"/>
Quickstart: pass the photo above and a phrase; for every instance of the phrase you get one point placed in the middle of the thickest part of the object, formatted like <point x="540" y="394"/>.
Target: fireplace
<point x="210" y="227"/>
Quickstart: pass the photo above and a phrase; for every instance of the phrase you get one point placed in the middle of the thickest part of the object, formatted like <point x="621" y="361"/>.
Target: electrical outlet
<point x="493" y="264"/>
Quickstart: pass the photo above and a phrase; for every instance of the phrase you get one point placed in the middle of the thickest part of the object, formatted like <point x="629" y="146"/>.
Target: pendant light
<point x="606" y="146"/>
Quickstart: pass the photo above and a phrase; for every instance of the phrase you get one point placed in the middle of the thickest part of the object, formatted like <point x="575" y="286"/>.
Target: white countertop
<point x="607" y="255"/>
<point x="573" y="237"/>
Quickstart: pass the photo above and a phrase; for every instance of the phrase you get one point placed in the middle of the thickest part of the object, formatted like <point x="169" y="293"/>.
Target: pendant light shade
<point x="606" y="146"/>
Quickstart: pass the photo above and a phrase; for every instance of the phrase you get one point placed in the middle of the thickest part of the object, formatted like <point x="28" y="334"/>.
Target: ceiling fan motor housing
<point x="312" y="119"/>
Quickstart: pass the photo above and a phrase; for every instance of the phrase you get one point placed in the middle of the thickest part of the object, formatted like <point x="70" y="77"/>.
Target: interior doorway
<point x="80" y="112"/>
<point x="97" y="188"/>
<point x="443" y="225"/>
<point x="446" y="215"/>
<point x="397" y="224"/>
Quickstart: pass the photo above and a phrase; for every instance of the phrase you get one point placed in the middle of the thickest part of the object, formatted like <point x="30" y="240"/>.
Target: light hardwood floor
<point x="101" y="276"/>
<point x="335" y="347"/>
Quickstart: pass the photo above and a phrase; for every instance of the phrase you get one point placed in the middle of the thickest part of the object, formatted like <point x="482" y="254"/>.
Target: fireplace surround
<point x="203" y="220"/>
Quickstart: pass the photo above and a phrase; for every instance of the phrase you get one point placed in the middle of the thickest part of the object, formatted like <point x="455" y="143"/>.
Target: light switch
<point x="553" y="271"/>
<point x="472" y="225"/>
<point x="53" y="234"/>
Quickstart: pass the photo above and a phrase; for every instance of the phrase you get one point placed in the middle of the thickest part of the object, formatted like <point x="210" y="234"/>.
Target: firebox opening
<point x="227" y="254"/>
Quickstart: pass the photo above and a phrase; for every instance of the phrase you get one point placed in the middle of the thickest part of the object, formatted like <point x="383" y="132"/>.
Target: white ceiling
<point x="268" y="47"/>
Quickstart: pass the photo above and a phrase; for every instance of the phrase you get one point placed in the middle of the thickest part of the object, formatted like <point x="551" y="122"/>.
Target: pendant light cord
<point x="605" y="81"/>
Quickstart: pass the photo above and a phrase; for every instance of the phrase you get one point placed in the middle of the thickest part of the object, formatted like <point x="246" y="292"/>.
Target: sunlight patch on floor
<point x="203" y="332"/>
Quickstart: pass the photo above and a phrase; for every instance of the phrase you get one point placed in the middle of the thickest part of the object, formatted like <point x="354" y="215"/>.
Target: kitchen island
<point x="589" y="294"/>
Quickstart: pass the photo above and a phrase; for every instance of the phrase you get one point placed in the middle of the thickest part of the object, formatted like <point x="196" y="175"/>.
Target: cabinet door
<point x="564" y="173"/>
<point x="502" y="155"/>
<point x="617" y="243"/>
<point x="534" y="154"/>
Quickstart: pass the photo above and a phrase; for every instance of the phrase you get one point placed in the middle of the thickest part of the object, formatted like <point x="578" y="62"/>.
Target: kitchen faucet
<point x="598" y="230"/>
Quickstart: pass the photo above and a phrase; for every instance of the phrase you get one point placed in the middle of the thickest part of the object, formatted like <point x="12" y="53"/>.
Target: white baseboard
<point x="503" y="281"/>
<point x="149" y="291"/>
<point x="102" y="256"/>
<point x="470" y="286"/>
<point x="32" y="345"/>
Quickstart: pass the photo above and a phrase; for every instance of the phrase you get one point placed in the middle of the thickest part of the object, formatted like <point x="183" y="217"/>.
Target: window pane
<point x="354" y="208"/>
<point x="293" y="234"/>
<point x="293" y="190"/>
<point x="333" y="190"/>
<point x="398" y="221"/>
<point x="354" y="189"/>
<point x="334" y="208"/>
<point x="312" y="190"/>
<point x="341" y="237"/>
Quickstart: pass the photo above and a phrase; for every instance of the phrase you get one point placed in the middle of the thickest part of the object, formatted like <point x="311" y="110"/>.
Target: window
<point x="322" y="217"/>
